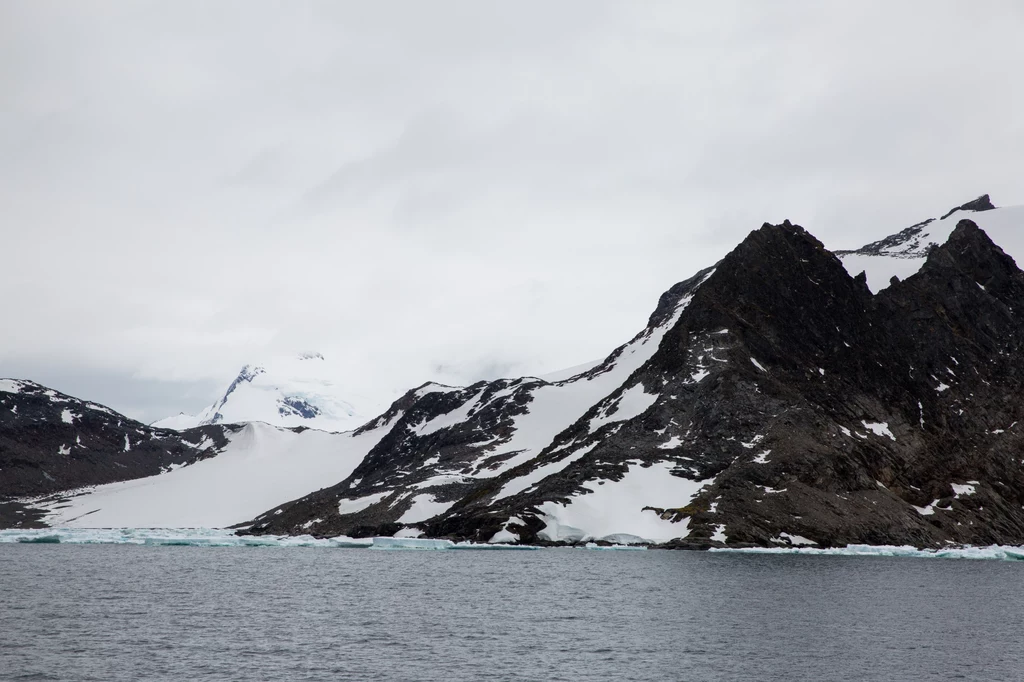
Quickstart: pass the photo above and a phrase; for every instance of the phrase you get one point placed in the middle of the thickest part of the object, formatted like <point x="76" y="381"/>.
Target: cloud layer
<point x="451" y="190"/>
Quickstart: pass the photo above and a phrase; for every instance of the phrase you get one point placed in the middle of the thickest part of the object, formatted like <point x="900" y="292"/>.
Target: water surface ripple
<point x="117" y="612"/>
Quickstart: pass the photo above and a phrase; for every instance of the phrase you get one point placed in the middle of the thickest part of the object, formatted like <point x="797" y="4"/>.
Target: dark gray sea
<point x="122" y="612"/>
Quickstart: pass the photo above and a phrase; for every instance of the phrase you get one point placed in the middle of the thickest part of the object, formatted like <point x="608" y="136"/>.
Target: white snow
<point x="633" y="402"/>
<point x="569" y="372"/>
<point x="408" y="533"/>
<point x="758" y="365"/>
<point x="410" y="543"/>
<point x="67" y="417"/>
<point x="1003" y="226"/>
<point x="198" y="537"/>
<point x="671" y="444"/>
<point x="763" y="457"/>
<point x="261" y="468"/>
<point x="127" y="443"/>
<point x="617" y="507"/>
<point x="64" y="450"/>
<point x="998" y="552"/>
<point x="941" y="387"/>
<point x="505" y="535"/>
<point x="752" y="443"/>
<point x="797" y="539"/>
<point x="554" y="407"/>
<point x="879" y="429"/>
<point x="425" y="506"/>
<point x="305" y="378"/>
<point x="528" y="480"/>
<point x="698" y="376"/>
<point x="968" y="488"/>
<point x="11" y="386"/>
<point x="456" y="416"/>
<point x="719" y="534"/>
<point x="346" y="506"/>
<point x="928" y="510"/>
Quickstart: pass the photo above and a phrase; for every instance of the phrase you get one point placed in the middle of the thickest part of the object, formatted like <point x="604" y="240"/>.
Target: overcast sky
<point x="451" y="190"/>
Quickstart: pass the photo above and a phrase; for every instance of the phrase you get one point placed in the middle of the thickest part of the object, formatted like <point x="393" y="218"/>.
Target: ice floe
<point x="992" y="552"/>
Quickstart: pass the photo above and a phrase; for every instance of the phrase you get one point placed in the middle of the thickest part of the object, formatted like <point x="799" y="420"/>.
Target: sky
<point x="450" y="190"/>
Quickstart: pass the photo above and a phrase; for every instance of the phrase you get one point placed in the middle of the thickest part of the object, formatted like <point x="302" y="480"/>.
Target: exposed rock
<point x="804" y="406"/>
<point x="52" y="442"/>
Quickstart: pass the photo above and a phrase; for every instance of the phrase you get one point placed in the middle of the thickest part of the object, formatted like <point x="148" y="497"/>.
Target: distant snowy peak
<point x="290" y="391"/>
<point x="902" y="254"/>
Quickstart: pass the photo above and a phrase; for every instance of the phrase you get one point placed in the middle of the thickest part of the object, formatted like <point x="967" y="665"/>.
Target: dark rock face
<point x="982" y="203"/>
<point x="810" y="409"/>
<point x="798" y="406"/>
<point x="51" y="442"/>
<point x="297" y="406"/>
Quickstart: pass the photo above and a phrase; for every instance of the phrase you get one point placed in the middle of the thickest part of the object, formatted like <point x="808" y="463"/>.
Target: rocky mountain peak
<point x="982" y="203"/>
<point x="971" y="253"/>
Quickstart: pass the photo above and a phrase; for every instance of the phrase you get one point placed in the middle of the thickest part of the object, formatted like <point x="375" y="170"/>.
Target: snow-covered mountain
<point x="773" y="398"/>
<point x="902" y="254"/>
<point x="288" y="391"/>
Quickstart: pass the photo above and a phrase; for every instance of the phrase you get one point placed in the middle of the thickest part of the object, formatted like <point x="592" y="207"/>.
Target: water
<point x="130" y="612"/>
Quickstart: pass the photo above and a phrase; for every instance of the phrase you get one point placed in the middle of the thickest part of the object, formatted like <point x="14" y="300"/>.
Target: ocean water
<point x="136" y="612"/>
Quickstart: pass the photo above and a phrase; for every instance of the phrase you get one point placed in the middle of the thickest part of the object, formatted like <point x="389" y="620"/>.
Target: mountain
<point x="51" y="442"/>
<point x="771" y="399"/>
<point x="902" y="254"/>
<point x="780" y="397"/>
<point x="69" y="462"/>
<point x="289" y="391"/>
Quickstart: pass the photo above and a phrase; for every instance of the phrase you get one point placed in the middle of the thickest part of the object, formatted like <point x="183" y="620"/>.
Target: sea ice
<point x="410" y="543"/>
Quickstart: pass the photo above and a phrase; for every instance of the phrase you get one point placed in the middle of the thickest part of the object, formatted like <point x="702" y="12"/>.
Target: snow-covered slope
<point x="297" y="390"/>
<point x="902" y="254"/>
<point x="260" y="467"/>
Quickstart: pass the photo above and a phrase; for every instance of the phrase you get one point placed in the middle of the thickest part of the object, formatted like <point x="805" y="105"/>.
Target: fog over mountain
<point x="452" y="191"/>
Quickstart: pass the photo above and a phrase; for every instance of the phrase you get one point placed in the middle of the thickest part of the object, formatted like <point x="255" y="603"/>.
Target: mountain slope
<point x="51" y="442"/>
<point x="289" y="391"/>
<point x="773" y="399"/>
<point x="904" y="253"/>
<point x="73" y="463"/>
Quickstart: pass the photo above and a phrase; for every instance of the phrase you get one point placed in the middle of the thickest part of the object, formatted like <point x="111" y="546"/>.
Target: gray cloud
<point x="451" y="190"/>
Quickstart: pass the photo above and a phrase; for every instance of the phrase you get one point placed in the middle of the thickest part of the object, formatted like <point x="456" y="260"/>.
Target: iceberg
<point x="410" y="543"/>
<point x="492" y="547"/>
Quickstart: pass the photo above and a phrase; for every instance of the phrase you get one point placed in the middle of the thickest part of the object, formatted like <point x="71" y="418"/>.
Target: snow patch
<point x="260" y="468"/>
<point x="11" y="386"/>
<point x="526" y="481"/>
<point x="633" y="402"/>
<point x="425" y="506"/>
<point x="796" y="540"/>
<point x="671" y="444"/>
<point x="618" y="507"/>
<point x="879" y="429"/>
<point x="965" y="489"/>
<point x="359" y="504"/>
